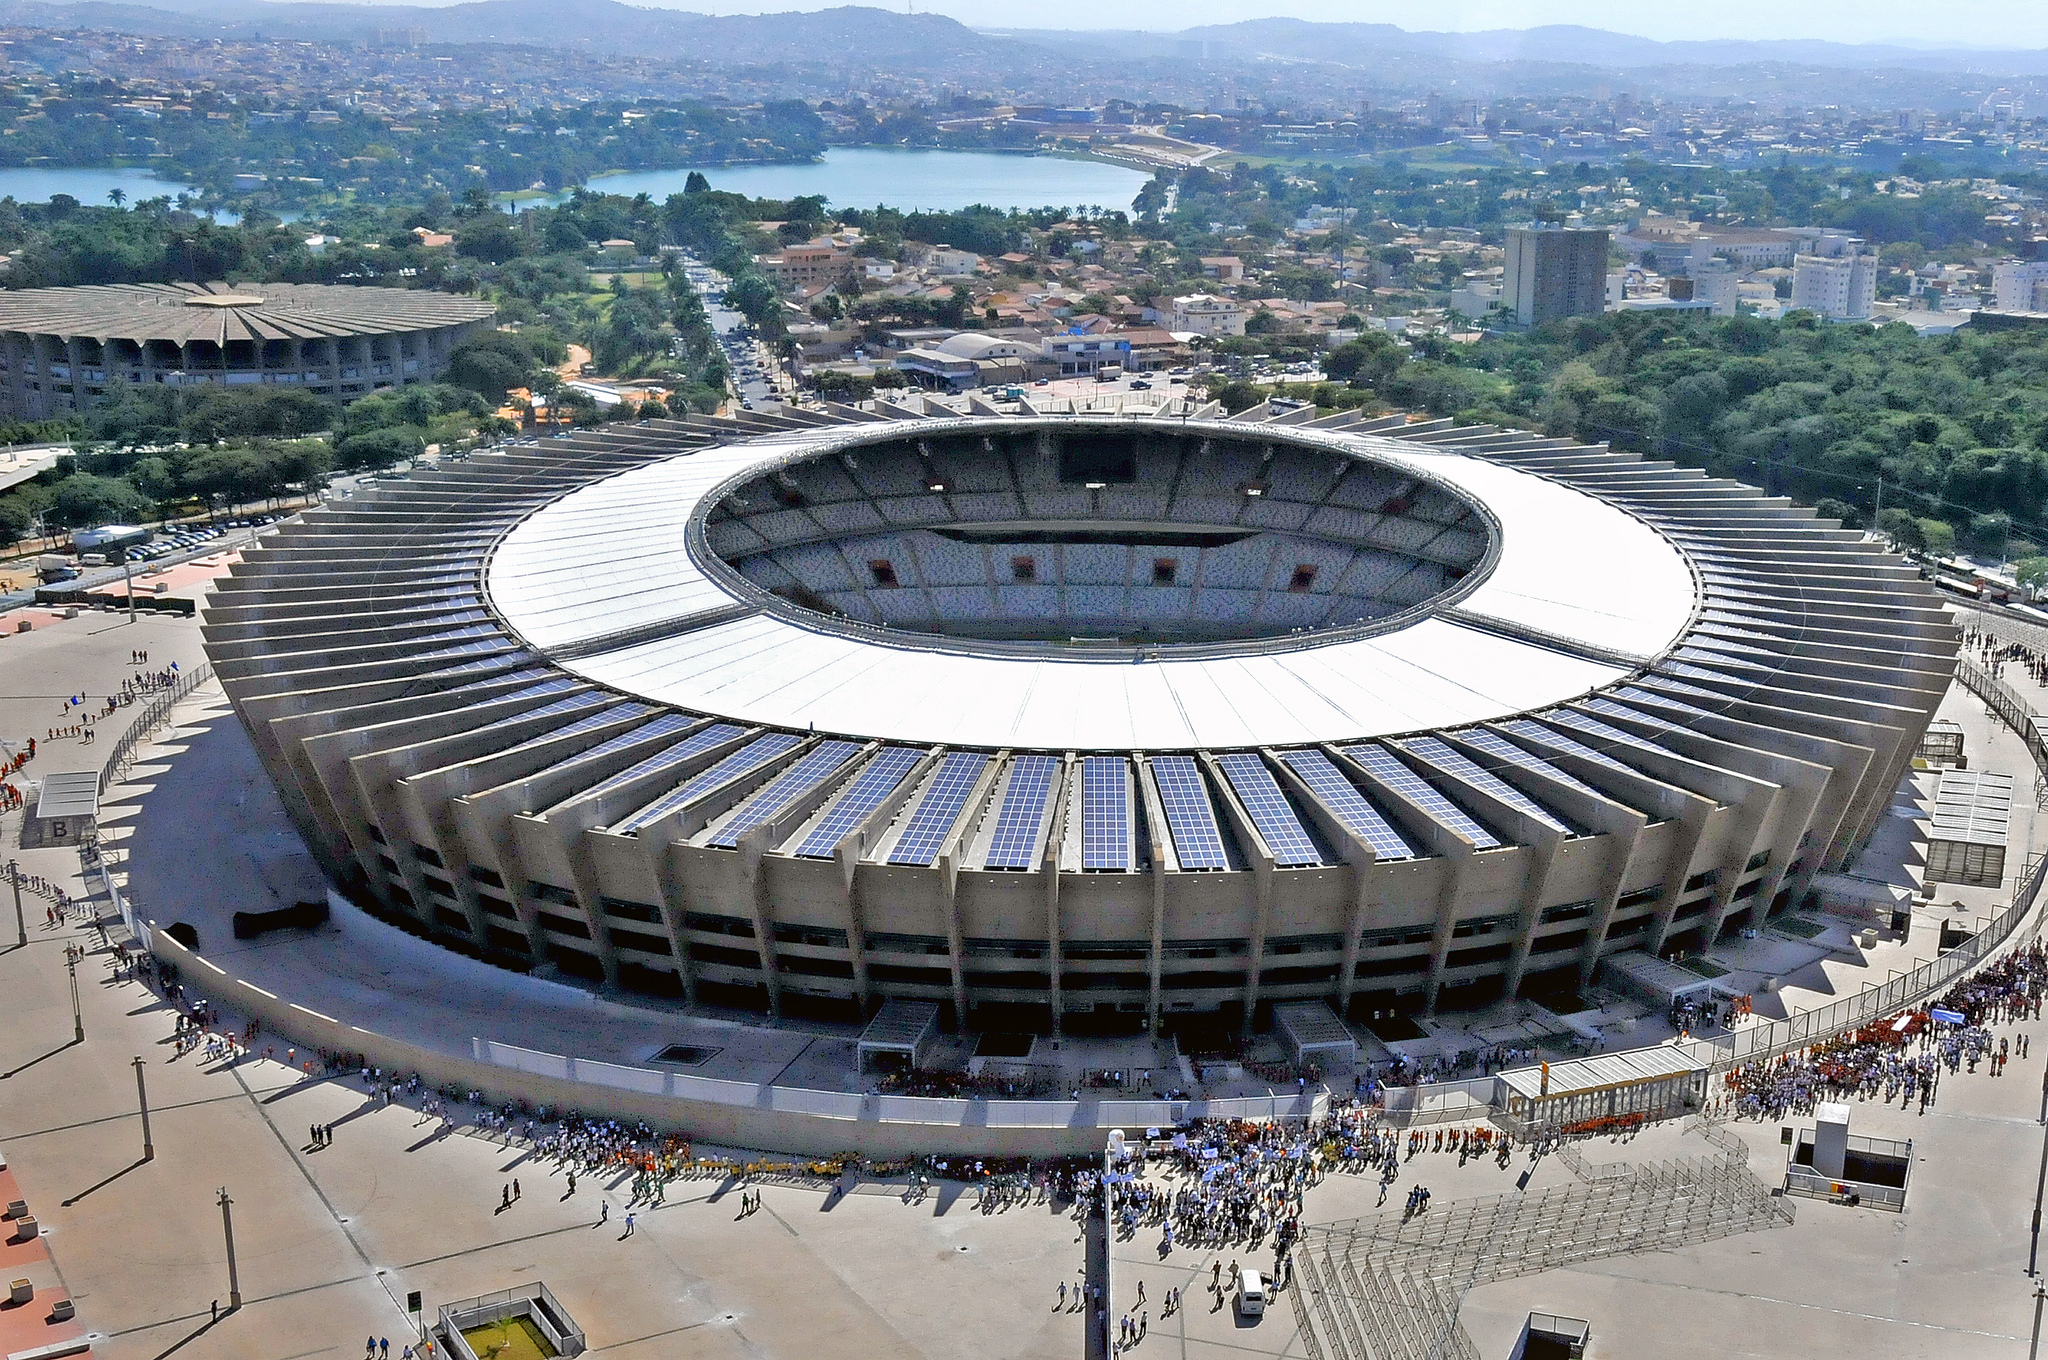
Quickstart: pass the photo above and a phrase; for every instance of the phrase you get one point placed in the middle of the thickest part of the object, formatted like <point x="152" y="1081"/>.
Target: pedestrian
<point x="515" y="1187"/>
<point x="1063" y="1294"/>
<point x="506" y="1201"/>
<point x="216" y="1310"/>
<point x="384" y="1348"/>
<point x="572" y="1182"/>
<point x="629" y="1224"/>
<point x="605" y="1214"/>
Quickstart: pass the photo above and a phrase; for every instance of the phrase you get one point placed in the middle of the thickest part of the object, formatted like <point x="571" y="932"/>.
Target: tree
<point x="84" y="500"/>
<point x="2032" y="572"/>
<point x="117" y="196"/>
<point x="380" y="448"/>
<point x="1938" y="537"/>
<point x="696" y="183"/>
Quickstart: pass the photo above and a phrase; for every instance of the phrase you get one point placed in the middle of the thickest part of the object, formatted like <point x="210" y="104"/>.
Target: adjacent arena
<point x="67" y="349"/>
<point x="1093" y="723"/>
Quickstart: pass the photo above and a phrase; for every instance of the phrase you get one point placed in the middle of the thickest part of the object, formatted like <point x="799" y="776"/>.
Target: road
<point x="728" y="324"/>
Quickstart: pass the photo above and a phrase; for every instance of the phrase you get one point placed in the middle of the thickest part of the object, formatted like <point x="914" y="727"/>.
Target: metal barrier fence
<point x="155" y="714"/>
<point x="2009" y="707"/>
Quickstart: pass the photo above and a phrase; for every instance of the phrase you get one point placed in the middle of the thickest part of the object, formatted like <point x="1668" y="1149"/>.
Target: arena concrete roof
<point x="1580" y="593"/>
<point x="222" y="312"/>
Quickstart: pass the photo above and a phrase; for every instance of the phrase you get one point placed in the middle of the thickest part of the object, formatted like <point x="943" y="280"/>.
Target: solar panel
<point x="1197" y="843"/>
<point x="1523" y="727"/>
<point x="1444" y="758"/>
<point x="1397" y="776"/>
<point x="1494" y="744"/>
<point x="595" y="720"/>
<point x="1593" y="727"/>
<point x="1271" y="813"/>
<point x="1016" y="834"/>
<point x="1661" y="700"/>
<point x="867" y="792"/>
<point x="939" y="808"/>
<point x="666" y="725"/>
<point x="753" y="755"/>
<point x="1348" y="805"/>
<point x="1105" y="812"/>
<point x="696" y="744"/>
<point x="816" y="766"/>
<point x="1614" y="710"/>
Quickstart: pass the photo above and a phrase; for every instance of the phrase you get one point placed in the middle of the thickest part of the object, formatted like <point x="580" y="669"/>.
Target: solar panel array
<point x="1593" y="727"/>
<point x="1105" y="812"/>
<point x="939" y="809"/>
<point x="1271" y="813"/>
<point x="668" y="724"/>
<point x="1498" y="746"/>
<point x="1390" y="770"/>
<point x="817" y="765"/>
<point x="1444" y="758"/>
<point x="753" y="755"/>
<point x="595" y="720"/>
<point x="1190" y="817"/>
<point x="1523" y="727"/>
<point x="867" y="792"/>
<point x="1349" y="806"/>
<point x="1016" y="834"/>
<point x="696" y="744"/>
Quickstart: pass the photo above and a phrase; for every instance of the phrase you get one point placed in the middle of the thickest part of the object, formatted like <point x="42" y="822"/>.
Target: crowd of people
<point x="1902" y="1057"/>
<point x="1995" y="653"/>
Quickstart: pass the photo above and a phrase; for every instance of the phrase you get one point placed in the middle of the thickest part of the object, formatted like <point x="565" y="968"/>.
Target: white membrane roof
<point x="1580" y="594"/>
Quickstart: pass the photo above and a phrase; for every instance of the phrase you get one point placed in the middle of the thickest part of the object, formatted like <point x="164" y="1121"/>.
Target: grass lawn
<point x="513" y="1339"/>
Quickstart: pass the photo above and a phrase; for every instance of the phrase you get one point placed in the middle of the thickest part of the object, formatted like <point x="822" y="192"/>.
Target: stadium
<point x="67" y="349"/>
<point x="1084" y="723"/>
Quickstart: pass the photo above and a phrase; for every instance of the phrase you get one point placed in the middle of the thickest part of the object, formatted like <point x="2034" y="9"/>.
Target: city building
<point x="2020" y="285"/>
<point x="1206" y="314"/>
<point x="1095" y="723"/>
<point x="968" y="359"/>
<point x="1714" y="281"/>
<point x="67" y="349"/>
<point x="1553" y="273"/>
<point x="1839" y="287"/>
<point x="812" y="264"/>
<point x="1079" y="355"/>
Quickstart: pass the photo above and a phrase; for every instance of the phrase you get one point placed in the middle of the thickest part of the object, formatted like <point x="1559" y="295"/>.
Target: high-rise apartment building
<point x="1554" y="272"/>
<point x="2020" y="286"/>
<point x="1839" y="287"/>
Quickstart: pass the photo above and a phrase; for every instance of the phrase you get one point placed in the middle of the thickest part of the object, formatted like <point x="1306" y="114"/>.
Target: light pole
<point x="227" y="1225"/>
<point x="77" y="1015"/>
<point x="20" y="921"/>
<point x="142" y="1099"/>
<point x="2034" y="1346"/>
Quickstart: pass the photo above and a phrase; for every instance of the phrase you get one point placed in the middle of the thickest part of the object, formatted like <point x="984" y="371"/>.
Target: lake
<point x="862" y="177"/>
<point x="38" y="184"/>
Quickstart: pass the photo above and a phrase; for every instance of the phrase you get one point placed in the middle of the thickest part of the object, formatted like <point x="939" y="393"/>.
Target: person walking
<point x="515" y="1187"/>
<point x="629" y="1226"/>
<point x="605" y="1214"/>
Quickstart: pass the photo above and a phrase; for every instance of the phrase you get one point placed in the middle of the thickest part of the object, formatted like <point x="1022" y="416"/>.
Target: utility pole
<point x="227" y="1224"/>
<point x="20" y="921"/>
<point x="2034" y="1346"/>
<point x="128" y="583"/>
<point x="142" y="1098"/>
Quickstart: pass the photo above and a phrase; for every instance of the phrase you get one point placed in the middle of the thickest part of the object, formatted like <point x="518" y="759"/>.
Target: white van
<point x="92" y="559"/>
<point x="1251" y="1293"/>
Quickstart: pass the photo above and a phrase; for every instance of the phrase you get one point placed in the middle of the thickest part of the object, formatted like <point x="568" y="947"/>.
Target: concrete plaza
<point x="330" y="1241"/>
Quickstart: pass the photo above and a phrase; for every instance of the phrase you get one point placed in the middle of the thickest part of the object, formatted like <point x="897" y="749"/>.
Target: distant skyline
<point x="1957" y="23"/>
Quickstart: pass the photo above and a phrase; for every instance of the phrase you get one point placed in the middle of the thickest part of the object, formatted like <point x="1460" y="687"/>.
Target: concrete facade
<point x="1553" y="273"/>
<point x="68" y="349"/>
<point x="456" y="779"/>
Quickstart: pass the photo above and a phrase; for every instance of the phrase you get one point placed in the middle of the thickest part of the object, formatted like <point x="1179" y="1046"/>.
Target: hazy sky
<point x="1953" y="23"/>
